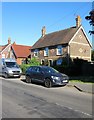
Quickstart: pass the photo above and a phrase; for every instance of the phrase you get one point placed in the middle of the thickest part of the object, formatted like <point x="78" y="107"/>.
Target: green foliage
<point x="31" y="62"/>
<point x="34" y="61"/>
<point x="91" y="20"/>
<point x="24" y="67"/>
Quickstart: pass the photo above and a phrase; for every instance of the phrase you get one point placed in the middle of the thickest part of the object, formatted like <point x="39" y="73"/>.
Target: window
<point x="59" y="61"/>
<point x="36" y="69"/>
<point x="46" y="50"/>
<point x="59" y="50"/>
<point x="36" y="53"/>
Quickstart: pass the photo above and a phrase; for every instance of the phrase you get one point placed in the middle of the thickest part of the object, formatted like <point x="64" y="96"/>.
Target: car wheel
<point x="28" y="79"/>
<point x="6" y="75"/>
<point x="48" y="83"/>
<point x="19" y="77"/>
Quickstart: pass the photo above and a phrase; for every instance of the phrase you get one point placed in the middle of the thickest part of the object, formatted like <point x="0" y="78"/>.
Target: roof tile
<point x="21" y="50"/>
<point x="55" y="38"/>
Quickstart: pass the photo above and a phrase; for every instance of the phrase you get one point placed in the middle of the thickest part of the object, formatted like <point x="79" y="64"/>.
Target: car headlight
<point x="55" y="78"/>
<point x="20" y="71"/>
<point x="10" y="71"/>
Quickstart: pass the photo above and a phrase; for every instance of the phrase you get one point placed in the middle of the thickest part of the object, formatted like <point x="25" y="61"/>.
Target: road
<point x="22" y="100"/>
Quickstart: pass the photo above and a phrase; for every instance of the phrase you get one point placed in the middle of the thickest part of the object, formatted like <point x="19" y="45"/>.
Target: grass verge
<point x="82" y="79"/>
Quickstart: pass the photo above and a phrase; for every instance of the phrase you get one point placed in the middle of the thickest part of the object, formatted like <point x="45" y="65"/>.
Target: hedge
<point x="24" y="67"/>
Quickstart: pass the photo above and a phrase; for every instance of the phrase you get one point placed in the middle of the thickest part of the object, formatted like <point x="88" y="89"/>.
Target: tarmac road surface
<point x="22" y="100"/>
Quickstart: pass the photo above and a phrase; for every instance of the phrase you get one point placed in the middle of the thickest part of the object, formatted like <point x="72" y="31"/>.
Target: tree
<point x="91" y="20"/>
<point x="34" y="61"/>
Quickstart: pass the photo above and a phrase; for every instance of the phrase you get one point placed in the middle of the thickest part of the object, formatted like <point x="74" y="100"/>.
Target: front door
<point x="50" y="62"/>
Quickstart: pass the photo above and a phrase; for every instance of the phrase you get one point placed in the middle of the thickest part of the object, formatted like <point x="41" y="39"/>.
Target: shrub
<point x="34" y="61"/>
<point x="31" y="62"/>
<point x="24" y="67"/>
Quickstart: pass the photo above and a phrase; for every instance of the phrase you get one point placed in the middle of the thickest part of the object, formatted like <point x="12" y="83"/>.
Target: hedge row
<point x="24" y="67"/>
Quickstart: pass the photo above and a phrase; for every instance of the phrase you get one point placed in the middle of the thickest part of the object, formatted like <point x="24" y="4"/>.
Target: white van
<point x="9" y="68"/>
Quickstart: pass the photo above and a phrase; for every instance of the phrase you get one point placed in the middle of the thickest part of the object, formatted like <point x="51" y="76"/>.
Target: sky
<point x="23" y="21"/>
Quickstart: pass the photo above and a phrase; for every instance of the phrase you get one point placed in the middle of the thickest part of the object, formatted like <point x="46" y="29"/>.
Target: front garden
<point x="78" y="71"/>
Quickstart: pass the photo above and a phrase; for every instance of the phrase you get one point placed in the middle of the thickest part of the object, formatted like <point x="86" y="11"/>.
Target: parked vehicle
<point x="47" y="75"/>
<point x="9" y="68"/>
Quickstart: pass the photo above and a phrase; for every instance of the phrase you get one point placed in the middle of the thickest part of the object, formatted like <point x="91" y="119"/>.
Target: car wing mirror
<point x="3" y="66"/>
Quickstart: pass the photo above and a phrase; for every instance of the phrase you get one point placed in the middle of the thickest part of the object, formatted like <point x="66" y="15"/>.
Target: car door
<point x="30" y="72"/>
<point x="38" y="75"/>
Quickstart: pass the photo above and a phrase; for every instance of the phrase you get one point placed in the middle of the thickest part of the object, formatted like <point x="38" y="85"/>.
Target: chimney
<point x="9" y="40"/>
<point x="14" y="43"/>
<point x="78" y="21"/>
<point x="43" y="31"/>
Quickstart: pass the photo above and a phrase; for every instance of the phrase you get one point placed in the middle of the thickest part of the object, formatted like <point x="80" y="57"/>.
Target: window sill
<point x="59" y="55"/>
<point x="45" y="55"/>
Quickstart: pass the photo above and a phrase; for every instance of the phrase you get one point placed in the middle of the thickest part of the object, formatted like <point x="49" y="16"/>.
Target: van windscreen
<point x="11" y="64"/>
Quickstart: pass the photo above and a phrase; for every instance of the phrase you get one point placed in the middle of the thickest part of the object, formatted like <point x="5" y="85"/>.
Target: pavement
<point x="82" y="87"/>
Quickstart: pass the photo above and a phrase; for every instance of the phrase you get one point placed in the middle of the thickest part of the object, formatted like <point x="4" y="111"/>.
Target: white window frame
<point x="59" y="47"/>
<point x="36" y="53"/>
<point x="46" y="51"/>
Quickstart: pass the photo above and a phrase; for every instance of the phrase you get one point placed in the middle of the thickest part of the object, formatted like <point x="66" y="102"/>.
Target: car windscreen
<point x="11" y="64"/>
<point x="49" y="70"/>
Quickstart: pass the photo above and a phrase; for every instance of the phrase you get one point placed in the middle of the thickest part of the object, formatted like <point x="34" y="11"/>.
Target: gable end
<point x="81" y="35"/>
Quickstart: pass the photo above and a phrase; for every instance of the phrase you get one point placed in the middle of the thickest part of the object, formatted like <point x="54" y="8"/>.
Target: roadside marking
<point x="76" y="110"/>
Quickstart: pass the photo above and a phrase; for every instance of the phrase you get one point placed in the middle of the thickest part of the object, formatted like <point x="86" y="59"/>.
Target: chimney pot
<point x="9" y="40"/>
<point x="14" y="43"/>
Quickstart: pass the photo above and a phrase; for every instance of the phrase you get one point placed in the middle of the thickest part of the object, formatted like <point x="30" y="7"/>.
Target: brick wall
<point x="80" y="47"/>
<point x="6" y="52"/>
<point x="52" y="53"/>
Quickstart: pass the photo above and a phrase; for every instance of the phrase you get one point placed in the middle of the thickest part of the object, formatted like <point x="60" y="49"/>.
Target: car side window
<point x="37" y="69"/>
<point x="30" y="69"/>
<point x="34" y="69"/>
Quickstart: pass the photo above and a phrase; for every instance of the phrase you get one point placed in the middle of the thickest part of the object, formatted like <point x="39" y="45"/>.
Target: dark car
<point x="47" y="75"/>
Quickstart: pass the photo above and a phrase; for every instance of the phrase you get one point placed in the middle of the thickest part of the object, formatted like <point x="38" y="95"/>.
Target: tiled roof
<point x="21" y="51"/>
<point x="56" y="38"/>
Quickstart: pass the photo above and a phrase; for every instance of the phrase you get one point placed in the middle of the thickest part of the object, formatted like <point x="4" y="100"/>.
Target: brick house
<point x="5" y="49"/>
<point x="19" y="52"/>
<point x="61" y="46"/>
